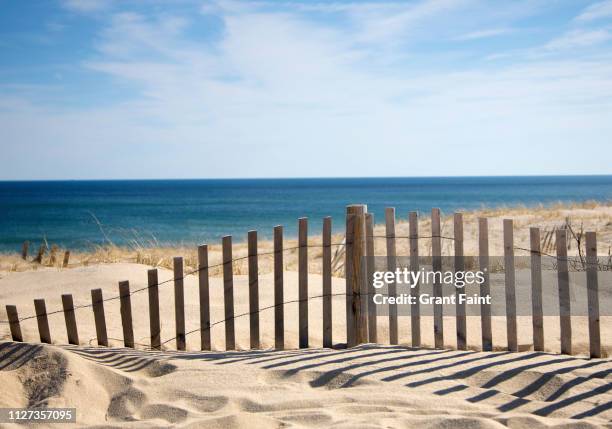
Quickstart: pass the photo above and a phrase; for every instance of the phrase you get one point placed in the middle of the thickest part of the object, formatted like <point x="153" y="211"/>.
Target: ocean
<point x="81" y="214"/>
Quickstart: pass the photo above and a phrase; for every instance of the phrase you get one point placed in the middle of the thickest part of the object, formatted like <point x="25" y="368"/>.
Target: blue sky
<point x="95" y="89"/>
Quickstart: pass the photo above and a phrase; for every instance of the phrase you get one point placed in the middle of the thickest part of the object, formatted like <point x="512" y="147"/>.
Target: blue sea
<point x="80" y="214"/>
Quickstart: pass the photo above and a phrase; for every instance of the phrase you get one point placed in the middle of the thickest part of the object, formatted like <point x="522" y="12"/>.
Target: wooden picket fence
<point x="361" y="318"/>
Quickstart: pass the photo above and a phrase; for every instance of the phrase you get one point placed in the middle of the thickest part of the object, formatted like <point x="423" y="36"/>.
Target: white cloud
<point x="579" y="39"/>
<point x="86" y="6"/>
<point x="483" y="34"/>
<point x="599" y="10"/>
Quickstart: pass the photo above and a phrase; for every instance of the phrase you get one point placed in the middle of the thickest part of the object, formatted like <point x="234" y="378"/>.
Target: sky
<point x="94" y="89"/>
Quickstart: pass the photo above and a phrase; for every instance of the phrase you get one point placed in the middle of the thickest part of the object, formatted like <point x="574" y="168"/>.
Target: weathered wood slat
<point x="436" y="252"/>
<point x="348" y="279"/>
<point x="179" y="303"/>
<point x="303" y="282"/>
<point x="97" y="302"/>
<point x="415" y="308"/>
<point x="593" y="295"/>
<point x="391" y="267"/>
<point x="70" y="319"/>
<point x="327" y="282"/>
<point x="460" y="266"/>
<point x="564" y="292"/>
<point x="204" y="292"/>
<point x="279" y="310"/>
<point x="14" y="325"/>
<point x="357" y="314"/>
<point x="253" y="290"/>
<point x="154" y="322"/>
<point x="42" y="321"/>
<point x="485" y="287"/>
<point x="228" y="293"/>
<point x="126" y="314"/>
<point x="536" y="290"/>
<point x="510" y="286"/>
<point x="370" y="262"/>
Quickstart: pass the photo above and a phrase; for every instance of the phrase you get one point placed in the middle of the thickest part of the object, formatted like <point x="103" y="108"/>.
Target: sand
<point x="370" y="386"/>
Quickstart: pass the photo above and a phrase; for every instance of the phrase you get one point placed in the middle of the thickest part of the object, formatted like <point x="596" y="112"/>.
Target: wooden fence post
<point x="536" y="290"/>
<point x="303" y="282"/>
<point x="98" y="309"/>
<point x="228" y="293"/>
<point x="564" y="292"/>
<point x="327" y="282"/>
<point x="125" y="304"/>
<point x="69" y="317"/>
<point x="253" y="290"/>
<point x="593" y="295"/>
<point x="24" y="250"/>
<point x="66" y="259"/>
<point x="485" y="287"/>
<point x="53" y="255"/>
<point x="460" y="266"/>
<point x="41" y="252"/>
<point x="436" y="253"/>
<point x="204" y="289"/>
<point x="43" y="322"/>
<point x="279" y="310"/>
<point x="391" y="267"/>
<point x="154" y="323"/>
<point x="370" y="263"/>
<point x="510" y="285"/>
<point x="357" y="316"/>
<point x="13" y="319"/>
<point x="415" y="308"/>
<point x="179" y="302"/>
<point x="348" y="279"/>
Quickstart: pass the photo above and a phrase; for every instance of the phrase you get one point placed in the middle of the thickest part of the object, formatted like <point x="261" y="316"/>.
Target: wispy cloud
<point x="599" y="10"/>
<point x="579" y="39"/>
<point x="483" y="34"/>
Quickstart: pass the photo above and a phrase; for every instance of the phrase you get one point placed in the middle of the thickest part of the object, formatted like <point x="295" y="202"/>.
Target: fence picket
<point x="327" y="282"/>
<point x="460" y="266"/>
<point x="154" y="322"/>
<point x="391" y="266"/>
<point x="97" y="302"/>
<point x="510" y="285"/>
<point x="436" y="252"/>
<point x="14" y="325"/>
<point x="370" y="264"/>
<point x="485" y="287"/>
<point x="42" y="321"/>
<point x="536" y="290"/>
<point x="593" y="295"/>
<point x="204" y="292"/>
<point x="564" y="292"/>
<point x="179" y="303"/>
<point x="415" y="308"/>
<point x="125" y="304"/>
<point x="69" y="317"/>
<point x="228" y="293"/>
<point x="303" y="282"/>
<point x="279" y="310"/>
<point x="253" y="290"/>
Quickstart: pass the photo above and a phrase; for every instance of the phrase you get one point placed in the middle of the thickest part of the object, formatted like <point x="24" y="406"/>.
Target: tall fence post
<point x="485" y="287"/>
<point x="69" y="317"/>
<point x="415" y="307"/>
<point x="253" y="290"/>
<point x="43" y="322"/>
<point x="460" y="266"/>
<point x="510" y="285"/>
<point x="13" y="319"/>
<point x="391" y="267"/>
<point x="228" y="293"/>
<point x="97" y="302"/>
<point x="536" y="290"/>
<point x="204" y="292"/>
<point x="436" y="253"/>
<point x="564" y="292"/>
<point x="303" y="282"/>
<point x="370" y="264"/>
<point x="327" y="282"/>
<point x="357" y="285"/>
<point x="279" y="311"/>
<point x="125" y="307"/>
<point x="348" y="279"/>
<point x="24" y="250"/>
<point x="179" y="302"/>
<point x="66" y="259"/>
<point x="593" y="295"/>
<point x="154" y="323"/>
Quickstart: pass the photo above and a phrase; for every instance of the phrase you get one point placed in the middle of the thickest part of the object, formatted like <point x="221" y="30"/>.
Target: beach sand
<point x="370" y="386"/>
